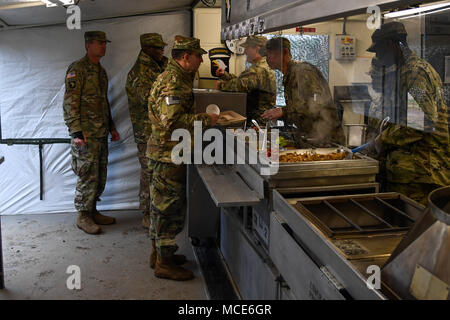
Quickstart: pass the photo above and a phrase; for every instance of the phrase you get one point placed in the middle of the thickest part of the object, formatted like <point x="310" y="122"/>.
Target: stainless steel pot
<point x="439" y="204"/>
<point x="355" y="134"/>
<point x="419" y="268"/>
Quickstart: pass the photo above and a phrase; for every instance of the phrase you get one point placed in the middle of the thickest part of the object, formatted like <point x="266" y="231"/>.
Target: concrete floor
<point x="38" y="249"/>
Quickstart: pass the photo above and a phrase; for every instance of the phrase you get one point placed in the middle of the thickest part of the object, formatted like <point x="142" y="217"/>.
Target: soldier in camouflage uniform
<point x="149" y="64"/>
<point x="258" y="81"/>
<point x="87" y="115"/>
<point x="416" y="161"/>
<point x="170" y="107"/>
<point x="309" y="104"/>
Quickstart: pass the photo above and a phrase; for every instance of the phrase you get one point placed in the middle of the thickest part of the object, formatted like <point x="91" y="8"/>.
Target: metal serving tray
<point x="358" y="160"/>
<point x="347" y="255"/>
<point x="361" y="169"/>
<point x="353" y="216"/>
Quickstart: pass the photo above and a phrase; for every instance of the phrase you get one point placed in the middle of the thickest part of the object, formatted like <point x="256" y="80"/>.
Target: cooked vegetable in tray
<point x="310" y="156"/>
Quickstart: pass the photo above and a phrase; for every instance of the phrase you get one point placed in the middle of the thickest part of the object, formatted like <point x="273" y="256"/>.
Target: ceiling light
<point x="426" y="13"/>
<point x="54" y="3"/>
<point x="49" y="3"/>
<point x="408" y="12"/>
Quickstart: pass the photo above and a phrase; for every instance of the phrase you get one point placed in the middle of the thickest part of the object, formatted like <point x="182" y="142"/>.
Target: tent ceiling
<point x="31" y="12"/>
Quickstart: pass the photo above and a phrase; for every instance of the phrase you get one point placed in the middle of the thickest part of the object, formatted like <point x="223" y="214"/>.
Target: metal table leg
<point x="41" y="175"/>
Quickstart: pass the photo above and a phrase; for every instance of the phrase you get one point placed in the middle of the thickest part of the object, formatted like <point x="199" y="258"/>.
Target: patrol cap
<point x="392" y="30"/>
<point x="95" y="35"/>
<point x="152" y="40"/>
<point x="187" y="43"/>
<point x="278" y="43"/>
<point x="254" y="41"/>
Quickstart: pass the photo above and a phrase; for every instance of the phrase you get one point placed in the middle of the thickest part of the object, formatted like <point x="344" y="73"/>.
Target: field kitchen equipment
<point x="323" y="246"/>
<point x="420" y="265"/>
<point x="226" y="101"/>
<point x="314" y="229"/>
<point x="239" y="199"/>
<point x="355" y="134"/>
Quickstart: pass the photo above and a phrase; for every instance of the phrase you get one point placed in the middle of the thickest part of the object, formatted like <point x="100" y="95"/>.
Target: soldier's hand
<point x="115" y="135"/>
<point x="214" y="118"/>
<point x="273" y="114"/>
<point x="218" y="84"/>
<point x="220" y="72"/>
<point x="80" y="142"/>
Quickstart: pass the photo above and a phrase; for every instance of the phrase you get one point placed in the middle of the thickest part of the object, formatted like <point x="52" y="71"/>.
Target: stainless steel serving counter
<point x="297" y="255"/>
<point x="235" y="204"/>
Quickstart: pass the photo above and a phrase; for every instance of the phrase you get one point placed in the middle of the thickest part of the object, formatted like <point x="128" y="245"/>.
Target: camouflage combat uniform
<point x="139" y="84"/>
<point x="258" y="81"/>
<point x="309" y="104"/>
<point x="87" y="110"/>
<point x="170" y="107"/>
<point x="416" y="161"/>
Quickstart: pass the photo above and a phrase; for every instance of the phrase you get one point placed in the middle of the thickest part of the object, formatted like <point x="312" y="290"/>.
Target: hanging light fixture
<point x="54" y="3"/>
<point x="49" y="3"/>
<point x="420" y="10"/>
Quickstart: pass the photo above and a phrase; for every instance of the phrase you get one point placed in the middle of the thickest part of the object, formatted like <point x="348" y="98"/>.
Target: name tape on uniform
<point x="172" y="100"/>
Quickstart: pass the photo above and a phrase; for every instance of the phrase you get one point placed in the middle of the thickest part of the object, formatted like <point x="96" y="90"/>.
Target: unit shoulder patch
<point x="170" y="100"/>
<point x="72" y="84"/>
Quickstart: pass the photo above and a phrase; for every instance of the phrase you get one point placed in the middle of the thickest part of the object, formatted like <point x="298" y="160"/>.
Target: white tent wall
<point x="33" y="63"/>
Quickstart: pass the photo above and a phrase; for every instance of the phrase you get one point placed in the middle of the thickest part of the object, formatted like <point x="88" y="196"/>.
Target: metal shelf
<point x="225" y="186"/>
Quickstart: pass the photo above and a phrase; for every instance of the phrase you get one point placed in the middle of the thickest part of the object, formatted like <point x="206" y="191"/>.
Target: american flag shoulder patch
<point x="172" y="100"/>
<point x="72" y="74"/>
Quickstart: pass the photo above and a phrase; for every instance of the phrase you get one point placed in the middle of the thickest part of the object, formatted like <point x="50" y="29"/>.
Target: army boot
<point x="101" y="219"/>
<point x="85" y="223"/>
<point x="146" y="220"/>
<point x="166" y="268"/>
<point x="176" y="258"/>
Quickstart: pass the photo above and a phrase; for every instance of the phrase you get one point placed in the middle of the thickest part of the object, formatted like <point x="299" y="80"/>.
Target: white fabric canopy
<point x="33" y="63"/>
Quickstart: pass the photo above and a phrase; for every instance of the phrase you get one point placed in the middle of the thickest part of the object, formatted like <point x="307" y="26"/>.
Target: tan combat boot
<point x="176" y="258"/>
<point x="165" y="268"/>
<point x="146" y="220"/>
<point x="85" y="223"/>
<point x="101" y="219"/>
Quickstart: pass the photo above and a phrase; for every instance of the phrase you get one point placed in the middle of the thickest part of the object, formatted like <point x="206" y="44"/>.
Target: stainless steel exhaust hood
<point x="241" y="18"/>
